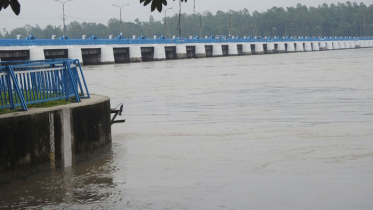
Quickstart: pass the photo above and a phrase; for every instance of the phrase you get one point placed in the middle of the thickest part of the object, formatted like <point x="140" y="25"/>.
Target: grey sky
<point x="44" y="12"/>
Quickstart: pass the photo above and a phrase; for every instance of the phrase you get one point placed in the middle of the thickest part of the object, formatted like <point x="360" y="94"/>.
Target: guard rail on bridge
<point x="30" y="82"/>
<point x="69" y="42"/>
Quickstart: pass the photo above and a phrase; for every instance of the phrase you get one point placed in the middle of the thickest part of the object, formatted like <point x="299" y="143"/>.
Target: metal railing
<point x="58" y="42"/>
<point x="29" y="82"/>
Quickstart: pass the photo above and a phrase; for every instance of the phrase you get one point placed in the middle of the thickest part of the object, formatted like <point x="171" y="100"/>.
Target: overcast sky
<point x="44" y="12"/>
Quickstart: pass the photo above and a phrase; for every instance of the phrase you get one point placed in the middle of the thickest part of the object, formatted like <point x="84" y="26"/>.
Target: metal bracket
<point x="116" y="111"/>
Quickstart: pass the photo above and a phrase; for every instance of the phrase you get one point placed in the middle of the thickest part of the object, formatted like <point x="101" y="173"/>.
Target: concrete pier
<point x="329" y="45"/>
<point x="135" y="53"/>
<point x="37" y="53"/>
<point x="335" y="45"/>
<point x="290" y="47"/>
<point x="347" y="45"/>
<point x="217" y="50"/>
<point x="75" y="53"/>
<point x="181" y="51"/>
<point x="45" y="139"/>
<point x="322" y="46"/>
<point x="246" y="49"/>
<point x="270" y="47"/>
<point x="315" y="46"/>
<point x="232" y="49"/>
<point x="362" y="44"/>
<point x="342" y="45"/>
<point x="352" y="44"/>
<point x="159" y="53"/>
<point x="259" y="48"/>
<point x="281" y="47"/>
<point x="307" y="47"/>
<point x="299" y="47"/>
<point x="200" y="51"/>
<point x="107" y="55"/>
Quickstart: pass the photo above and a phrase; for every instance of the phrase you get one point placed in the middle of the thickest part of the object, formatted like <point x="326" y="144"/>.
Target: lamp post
<point x="63" y="13"/>
<point x="165" y="21"/>
<point x="120" y="14"/>
<point x="229" y="24"/>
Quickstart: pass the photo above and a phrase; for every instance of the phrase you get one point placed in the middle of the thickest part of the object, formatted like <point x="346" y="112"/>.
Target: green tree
<point x="17" y="31"/>
<point x="50" y="30"/>
<point x="114" y="27"/>
<point x="341" y="19"/>
<point x="75" y="30"/>
<point x="37" y="32"/>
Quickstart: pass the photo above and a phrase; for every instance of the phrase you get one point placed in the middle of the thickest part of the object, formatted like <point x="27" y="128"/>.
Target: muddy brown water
<point x="283" y="131"/>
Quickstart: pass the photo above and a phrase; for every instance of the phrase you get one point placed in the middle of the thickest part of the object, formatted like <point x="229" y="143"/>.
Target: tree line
<point x="341" y="19"/>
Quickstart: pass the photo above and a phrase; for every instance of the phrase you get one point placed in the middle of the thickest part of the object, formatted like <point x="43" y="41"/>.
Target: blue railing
<point x="59" y="42"/>
<point x="30" y="82"/>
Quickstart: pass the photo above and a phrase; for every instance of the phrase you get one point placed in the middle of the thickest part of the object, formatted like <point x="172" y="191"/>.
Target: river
<point x="283" y="131"/>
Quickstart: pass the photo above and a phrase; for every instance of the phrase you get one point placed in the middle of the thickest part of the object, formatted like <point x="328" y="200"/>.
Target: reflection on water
<point x="88" y="183"/>
<point x="284" y="131"/>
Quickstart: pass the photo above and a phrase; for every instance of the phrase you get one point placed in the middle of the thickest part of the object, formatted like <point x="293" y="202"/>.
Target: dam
<point x="105" y="51"/>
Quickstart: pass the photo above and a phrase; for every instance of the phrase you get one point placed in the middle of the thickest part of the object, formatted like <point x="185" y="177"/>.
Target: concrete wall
<point x="44" y="139"/>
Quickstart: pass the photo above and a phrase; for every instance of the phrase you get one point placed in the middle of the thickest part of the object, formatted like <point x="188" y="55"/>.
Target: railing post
<point x="10" y="91"/>
<point x="12" y="77"/>
<point x="77" y="63"/>
<point x="72" y="79"/>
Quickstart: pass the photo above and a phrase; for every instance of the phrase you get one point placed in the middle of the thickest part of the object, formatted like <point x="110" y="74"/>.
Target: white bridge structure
<point x="101" y="51"/>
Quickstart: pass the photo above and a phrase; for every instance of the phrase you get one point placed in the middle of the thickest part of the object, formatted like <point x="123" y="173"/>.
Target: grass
<point x="38" y="105"/>
<point x="34" y="94"/>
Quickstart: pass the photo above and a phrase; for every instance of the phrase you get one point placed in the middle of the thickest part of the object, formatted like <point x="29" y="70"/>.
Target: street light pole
<point x="200" y="25"/>
<point x="120" y="14"/>
<point x="165" y="21"/>
<point x="63" y="13"/>
<point x="229" y="24"/>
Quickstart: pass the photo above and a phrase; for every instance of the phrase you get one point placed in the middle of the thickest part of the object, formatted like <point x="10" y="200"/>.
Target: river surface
<point x="284" y="131"/>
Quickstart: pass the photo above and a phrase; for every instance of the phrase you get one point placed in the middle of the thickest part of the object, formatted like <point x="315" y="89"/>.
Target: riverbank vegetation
<point x="342" y="19"/>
